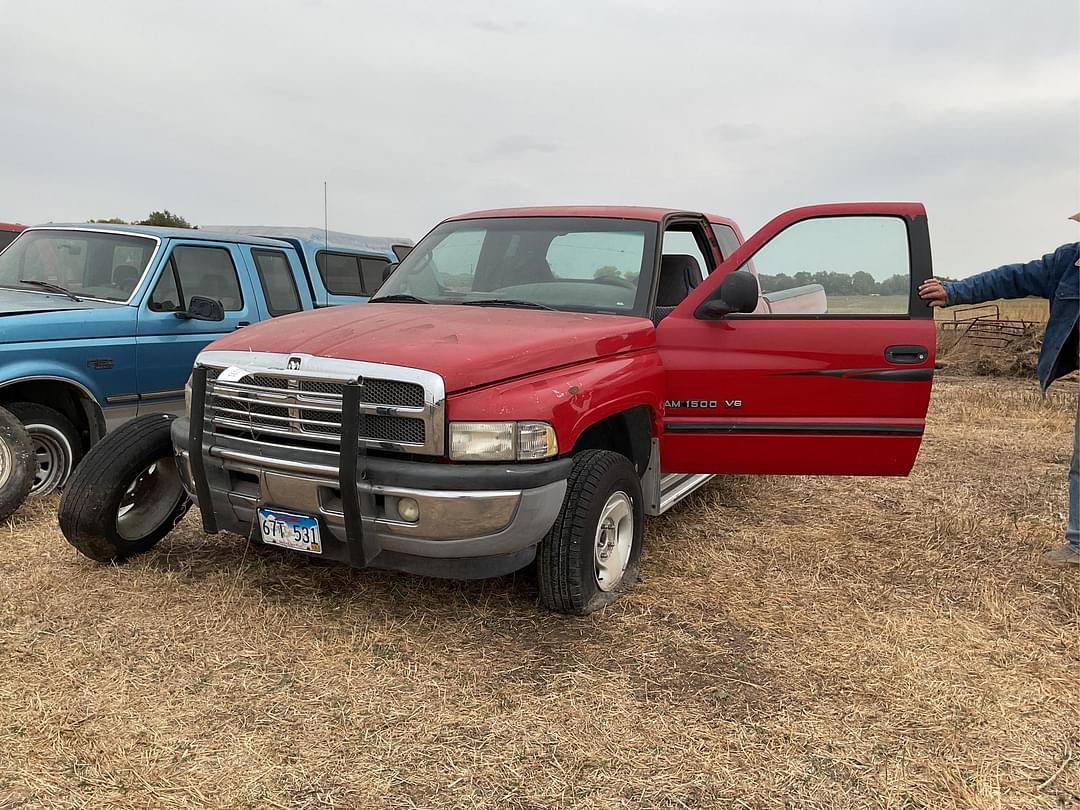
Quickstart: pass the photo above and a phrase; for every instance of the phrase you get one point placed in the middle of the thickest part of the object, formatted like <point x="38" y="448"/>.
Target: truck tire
<point x="126" y="495"/>
<point x="56" y="442"/>
<point x="17" y="463"/>
<point x="591" y="555"/>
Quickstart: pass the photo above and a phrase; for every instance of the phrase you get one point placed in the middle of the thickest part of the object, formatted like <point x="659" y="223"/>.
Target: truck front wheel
<point x="56" y="442"/>
<point x="592" y="552"/>
<point x="126" y="494"/>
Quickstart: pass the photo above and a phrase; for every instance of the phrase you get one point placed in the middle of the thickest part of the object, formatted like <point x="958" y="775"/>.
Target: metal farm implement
<point x="983" y="326"/>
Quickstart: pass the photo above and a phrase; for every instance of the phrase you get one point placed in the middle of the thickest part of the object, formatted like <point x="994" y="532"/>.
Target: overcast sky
<point x="236" y="112"/>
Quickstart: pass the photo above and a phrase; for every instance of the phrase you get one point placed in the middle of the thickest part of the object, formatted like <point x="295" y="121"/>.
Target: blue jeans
<point x="1072" y="531"/>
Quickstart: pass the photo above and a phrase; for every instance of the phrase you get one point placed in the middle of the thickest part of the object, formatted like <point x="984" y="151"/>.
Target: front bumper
<point x="476" y="520"/>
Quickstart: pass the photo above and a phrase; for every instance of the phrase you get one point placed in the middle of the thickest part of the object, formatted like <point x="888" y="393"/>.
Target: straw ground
<point x="796" y="642"/>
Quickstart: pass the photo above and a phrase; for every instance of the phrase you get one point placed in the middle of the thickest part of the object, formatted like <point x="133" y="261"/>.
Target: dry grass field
<point x="798" y="642"/>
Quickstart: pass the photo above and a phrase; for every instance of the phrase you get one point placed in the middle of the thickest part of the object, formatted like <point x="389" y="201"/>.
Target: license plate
<point x="298" y="532"/>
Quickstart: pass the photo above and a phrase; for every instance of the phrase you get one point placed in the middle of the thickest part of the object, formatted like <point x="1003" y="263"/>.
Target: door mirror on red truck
<point x="738" y="292"/>
<point x="201" y="308"/>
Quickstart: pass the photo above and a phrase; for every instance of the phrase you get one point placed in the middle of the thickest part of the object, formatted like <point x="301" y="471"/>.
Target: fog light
<point x="408" y="509"/>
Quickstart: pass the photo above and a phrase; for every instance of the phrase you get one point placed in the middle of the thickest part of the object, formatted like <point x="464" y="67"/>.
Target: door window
<point x="726" y="238"/>
<point x="852" y="266"/>
<point x="277" y="281"/>
<point x="195" y="270"/>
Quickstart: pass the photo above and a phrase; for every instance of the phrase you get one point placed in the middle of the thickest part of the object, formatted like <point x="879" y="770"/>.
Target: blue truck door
<point x="167" y="343"/>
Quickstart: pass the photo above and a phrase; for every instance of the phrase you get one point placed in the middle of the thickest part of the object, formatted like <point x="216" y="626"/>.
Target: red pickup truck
<point x="529" y="384"/>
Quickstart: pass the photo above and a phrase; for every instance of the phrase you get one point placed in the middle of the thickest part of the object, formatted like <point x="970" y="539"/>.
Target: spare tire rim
<point x="149" y="500"/>
<point x="53" y="453"/>
<point x="614" y="540"/>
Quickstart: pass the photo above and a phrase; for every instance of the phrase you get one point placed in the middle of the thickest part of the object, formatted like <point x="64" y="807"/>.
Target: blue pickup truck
<point x="100" y="323"/>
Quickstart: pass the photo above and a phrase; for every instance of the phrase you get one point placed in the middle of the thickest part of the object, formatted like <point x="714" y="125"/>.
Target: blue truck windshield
<point x="582" y="264"/>
<point x="89" y="264"/>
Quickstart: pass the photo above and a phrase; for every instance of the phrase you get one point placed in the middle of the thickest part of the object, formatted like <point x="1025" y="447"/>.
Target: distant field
<point x="868" y="304"/>
<point x="1023" y="309"/>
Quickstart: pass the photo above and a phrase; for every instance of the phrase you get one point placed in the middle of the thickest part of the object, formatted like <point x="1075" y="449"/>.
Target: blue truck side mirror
<point x="201" y="308"/>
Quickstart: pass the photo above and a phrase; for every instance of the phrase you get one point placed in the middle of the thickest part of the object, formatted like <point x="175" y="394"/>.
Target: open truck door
<point x="780" y="390"/>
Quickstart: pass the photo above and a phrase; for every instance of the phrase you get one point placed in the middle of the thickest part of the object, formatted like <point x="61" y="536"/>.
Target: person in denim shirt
<point x="1056" y="276"/>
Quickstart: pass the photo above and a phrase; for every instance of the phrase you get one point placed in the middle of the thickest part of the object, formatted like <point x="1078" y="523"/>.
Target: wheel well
<point x="73" y="403"/>
<point x="628" y="433"/>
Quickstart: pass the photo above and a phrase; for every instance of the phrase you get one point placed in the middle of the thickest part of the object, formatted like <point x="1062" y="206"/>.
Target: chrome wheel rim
<point x="7" y="462"/>
<point x="149" y="500"/>
<point x="53" y="453"/>
<point x="614" y="540"/>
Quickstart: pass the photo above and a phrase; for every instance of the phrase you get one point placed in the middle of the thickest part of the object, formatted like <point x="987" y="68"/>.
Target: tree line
<point x="159" y="219"/>
<point x="857" y="283"/>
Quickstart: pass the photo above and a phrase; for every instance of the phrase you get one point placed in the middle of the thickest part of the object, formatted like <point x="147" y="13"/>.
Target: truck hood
<point x="22" y="302"/>
<point x="33" y="318"/>
<point x="468" y="346"/>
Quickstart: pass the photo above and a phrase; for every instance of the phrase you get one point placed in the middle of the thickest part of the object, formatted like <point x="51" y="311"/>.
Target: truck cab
<point x="530" y="383"/>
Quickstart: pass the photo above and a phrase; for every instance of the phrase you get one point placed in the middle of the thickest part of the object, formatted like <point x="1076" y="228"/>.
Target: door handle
<point x="907" y="355"/>
<point x="242" y="324"/>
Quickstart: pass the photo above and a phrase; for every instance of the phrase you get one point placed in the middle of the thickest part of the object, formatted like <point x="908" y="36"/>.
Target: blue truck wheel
<point x="56" y="443"/>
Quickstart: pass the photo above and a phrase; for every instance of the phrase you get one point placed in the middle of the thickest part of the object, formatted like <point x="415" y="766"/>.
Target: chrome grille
<point x="292" y="407"/>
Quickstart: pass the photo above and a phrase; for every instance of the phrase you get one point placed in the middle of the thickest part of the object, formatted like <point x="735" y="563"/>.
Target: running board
<point x="676" y="486"/>
<point x="664" y="491"/>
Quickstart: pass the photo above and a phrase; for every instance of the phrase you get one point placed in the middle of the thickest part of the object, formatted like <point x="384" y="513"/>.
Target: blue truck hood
<point x="32" y="316"/>
<point x="16" y="302"/>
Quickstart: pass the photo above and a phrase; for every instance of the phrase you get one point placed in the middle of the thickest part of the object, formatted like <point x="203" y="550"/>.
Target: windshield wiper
<point x="398" y="298"/>
<point x="48" y="285"/>
<point x="507" y="302"/>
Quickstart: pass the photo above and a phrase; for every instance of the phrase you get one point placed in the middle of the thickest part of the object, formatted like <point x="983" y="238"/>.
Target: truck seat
<point x="124" y="278"/>
<point x="679" y="274"/>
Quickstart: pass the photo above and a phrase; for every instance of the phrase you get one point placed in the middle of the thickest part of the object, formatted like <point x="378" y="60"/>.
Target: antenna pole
<point x="325" y="220"/>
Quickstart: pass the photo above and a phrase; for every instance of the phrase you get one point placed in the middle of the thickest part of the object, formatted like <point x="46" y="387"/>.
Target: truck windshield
<point x="89" y="264"/>
<point x="577" y="264"/>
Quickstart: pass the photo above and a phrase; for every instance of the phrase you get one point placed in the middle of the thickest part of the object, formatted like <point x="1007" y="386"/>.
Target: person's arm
<point x="1007" y="281"/>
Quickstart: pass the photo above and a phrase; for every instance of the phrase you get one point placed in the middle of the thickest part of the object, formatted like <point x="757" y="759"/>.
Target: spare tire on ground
<point x="126" y="494"/>
<point x="18" y="465"/>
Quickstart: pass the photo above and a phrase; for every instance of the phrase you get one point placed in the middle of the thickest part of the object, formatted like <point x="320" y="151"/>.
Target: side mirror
<point x="401" y="251"/>
<point x="739" y="292"/>
<point x="201" y="308"/>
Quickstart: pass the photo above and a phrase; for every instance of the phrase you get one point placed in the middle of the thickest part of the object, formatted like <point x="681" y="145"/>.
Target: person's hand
<point x="932" y="291"/>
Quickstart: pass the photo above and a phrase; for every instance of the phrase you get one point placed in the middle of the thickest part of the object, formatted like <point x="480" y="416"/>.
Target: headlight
<point x="502" y="441"/>
<point x="187" y="397"/>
